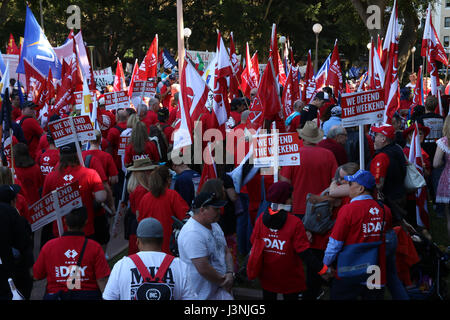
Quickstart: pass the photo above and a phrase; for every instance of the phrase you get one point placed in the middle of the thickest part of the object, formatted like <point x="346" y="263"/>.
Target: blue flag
<point x="19" y="87"/>
<point x="2" y="64"/>
<point x="37" y="49"/>
<point x="169" y="61"/>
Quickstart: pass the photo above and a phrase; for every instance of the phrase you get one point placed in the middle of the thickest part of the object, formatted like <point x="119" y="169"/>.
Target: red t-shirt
<point x="151" y="152"/>
<point x="337" y="149"/>
<point x="168" y="131"/>
<point x="172" y="115"/>
<point x="32" y="132"/>
<point x="168" y="99"/>
<point x="22" y="206"/>
<point x="31" y="180"/>
<point x="48" y="161"/>
<point x="295" y="123"/>
<point x="43" y="143"/>
<point x="106" y="120"/>
<point x="150" y="119"/>
<point x="113" y="139"/>
<point x="97" y="165"/>
<point x="379" y="166"/>
<point x="282" y="269"/>
<point x="313" y="175"/>
<point x="163" y="208"/>
<point x="57" y="257"/>
<point x="16" y="113"/>
<point x="106" y="160"/>
<point x="89" y="182"/>
<point x="136" y="197"/>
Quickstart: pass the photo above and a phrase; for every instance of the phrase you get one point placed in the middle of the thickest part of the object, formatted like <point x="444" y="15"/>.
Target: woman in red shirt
<point x="162" y="203"/>
<point x="137" y="187"/>
<point x="140" y="146"/>
<point x="28" y="173"/>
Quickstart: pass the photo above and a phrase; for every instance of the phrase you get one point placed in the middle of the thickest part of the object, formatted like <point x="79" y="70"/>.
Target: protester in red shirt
<point x="106" y="119"/>
<point x="165" y="127"/>
<point x="167" y="92"/>
<point x="69" y="170"/>
<point x="28" y="173"/>
<point x="162" y="203"/>
<point x="137" y="187"/>
<point x="114" y="136"/>
<point x="58" y="258"/>
<point x="286" y="246"/>
<point x="48" y="160"/>
<point x="360" y="221"/>
<point x="316" y="170"/>
<point x="31" y="128"/>
<point x="140" y="146"/>
<point x="16" y="112"/>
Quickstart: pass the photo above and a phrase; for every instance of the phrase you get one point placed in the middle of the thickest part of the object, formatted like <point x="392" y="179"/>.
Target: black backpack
<point x="176" y="228"/>
<point x="153" y="288"/>
<point x="318" y="213"/>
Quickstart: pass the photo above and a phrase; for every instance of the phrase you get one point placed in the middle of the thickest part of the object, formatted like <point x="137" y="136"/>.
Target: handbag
<point x="318" y="213"/>
<point x="413" y="179"/>
<point x="354" y="259"/>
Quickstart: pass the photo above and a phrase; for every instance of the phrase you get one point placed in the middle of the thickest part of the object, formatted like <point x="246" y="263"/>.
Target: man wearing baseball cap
<point x="309" y="112"/>
<point x="203" y="248"/>
<point x="389" y="169"/>
<point x="360" y="221"/>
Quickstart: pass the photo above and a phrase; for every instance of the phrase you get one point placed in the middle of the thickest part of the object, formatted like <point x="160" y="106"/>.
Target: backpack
<point x="176" y="228"/>
<point x="153" y="288"/>
<point x="318" y="213"/>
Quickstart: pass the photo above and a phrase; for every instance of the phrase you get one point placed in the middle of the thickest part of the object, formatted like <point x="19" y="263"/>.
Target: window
<point x="446" y="41"/>
<point x="447" y="3"/>
<point x="447" y="22"/>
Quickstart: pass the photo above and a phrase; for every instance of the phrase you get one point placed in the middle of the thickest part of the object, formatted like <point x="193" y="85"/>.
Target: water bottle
<point x="16" y="294"/>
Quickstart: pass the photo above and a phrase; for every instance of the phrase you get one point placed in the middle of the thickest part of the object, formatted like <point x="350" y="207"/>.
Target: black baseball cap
<point x="323" y="96"/>
<point x="8" y="192"/>
<point x="208" y="199"/>
<point x="68" y="148"/>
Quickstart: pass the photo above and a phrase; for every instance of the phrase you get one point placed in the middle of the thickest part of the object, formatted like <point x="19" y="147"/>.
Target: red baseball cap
<point x="387" y="130"/>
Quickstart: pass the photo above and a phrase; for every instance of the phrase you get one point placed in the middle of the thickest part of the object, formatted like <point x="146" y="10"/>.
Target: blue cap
<point x="363" y="178"/>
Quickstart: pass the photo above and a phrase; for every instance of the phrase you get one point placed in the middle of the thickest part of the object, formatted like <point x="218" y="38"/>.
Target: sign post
<point x="359" y="109"/>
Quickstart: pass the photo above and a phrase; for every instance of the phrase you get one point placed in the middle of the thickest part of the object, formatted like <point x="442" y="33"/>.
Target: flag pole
<point x="180" y="25"/>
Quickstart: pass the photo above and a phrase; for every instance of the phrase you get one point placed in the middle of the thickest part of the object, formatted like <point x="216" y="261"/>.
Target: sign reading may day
<point x="288" y="150"/>
<point x="55" y="205"/>
<point x="63" y="130"/>
<point x="362" y="108"/>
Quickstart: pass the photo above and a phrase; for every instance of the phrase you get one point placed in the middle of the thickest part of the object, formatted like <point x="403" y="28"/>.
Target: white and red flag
<point x="193" y="97"/>
<point x="221" y="104"/>
<point x="431" y="46"/>
<point x="309" y="81"/>
<point x="35" y="81"/>
<point x="288" y="98"/>
<point x="119" y="78"/>
<point x="322" y="74"/>
<point x="391" y="82"/>
<point x="334" y="78"/>
<point x="133" y="78"/>
<point x="418" y="98"/>
<point x="415" y="157"/>
<point x="376" y="72"/>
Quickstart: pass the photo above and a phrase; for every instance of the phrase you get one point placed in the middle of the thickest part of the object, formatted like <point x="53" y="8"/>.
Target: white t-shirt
<point x="197" y="241"/>
<point x="125" y="278"/>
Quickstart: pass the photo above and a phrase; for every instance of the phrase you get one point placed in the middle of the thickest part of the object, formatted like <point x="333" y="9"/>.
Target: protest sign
<point x="79" y="99"/>
<point x="55" y="205"/>
<point x="362" y="108"/>
<point x="123" y="143"/>
<point x="144" y="89"/>
<point x="103" y="78"/>
<point x="265" y="147"/>
<point x="116" y="100"/>
<point x="63" y="134"/>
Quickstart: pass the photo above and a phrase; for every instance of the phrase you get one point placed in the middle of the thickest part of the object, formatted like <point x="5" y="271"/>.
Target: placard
<point x="79" y="99"/>
<point x="288" y="150"/>
<point x="103" y="78"/>
<point x="62" y="133"/>
<point x="44" y="211"/>
<point x="362" y="108"/>
<point x="148" y="92"/>
<point x="117" y="100"/>
<point x="123" y="143"/>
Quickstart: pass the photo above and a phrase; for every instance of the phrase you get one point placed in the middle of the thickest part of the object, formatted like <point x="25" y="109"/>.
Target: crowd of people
<point x="221" y="231"/>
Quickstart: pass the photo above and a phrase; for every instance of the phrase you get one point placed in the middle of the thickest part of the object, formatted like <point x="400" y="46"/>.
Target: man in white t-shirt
<point x="125" y="278"/>
<point x="203" y="248"/>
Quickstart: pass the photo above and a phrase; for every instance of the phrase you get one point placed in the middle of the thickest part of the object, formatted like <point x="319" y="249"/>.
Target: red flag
<point x="250" y="75"/>
<point x="75" y="70"/>
<point x="12" y="47"/>
<point x="268" y="92"/>
<point x="418" y="91"/>
<point x="133" y="78"/>
<point x="288" y="99"/>
<point x="35" y="81"/>
<point x="310" y="83"/>
<point x="119" y="79"/>
<point x="64" y="93"/>
<point x="334" y="78"/>
<point x="431" y="46"/>
<point x="234" y="84"/>
<point x="149" y="66"/>
<point x="209" y="167"/>
<point x="280" y="75"/>
<point x="47" y="91"/>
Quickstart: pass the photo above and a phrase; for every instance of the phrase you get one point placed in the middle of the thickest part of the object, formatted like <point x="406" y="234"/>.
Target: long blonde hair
<point x="139" y="178"/>
<point x="139" y="137"/>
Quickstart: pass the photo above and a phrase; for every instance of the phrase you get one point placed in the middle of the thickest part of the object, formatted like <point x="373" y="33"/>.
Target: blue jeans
<point x="395" y="286"/>
<point x="244" y="227"/>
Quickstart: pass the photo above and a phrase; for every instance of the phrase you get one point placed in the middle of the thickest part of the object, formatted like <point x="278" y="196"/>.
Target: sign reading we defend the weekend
<point x="116" y="100"/>
<point x="146" y="89"/>
<point x="288" y="150"/>
<point x="79" y="99"/>
<point x="362" y="108"/>
<point x="44" y="211"/>
<point x="62" y="133"/>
